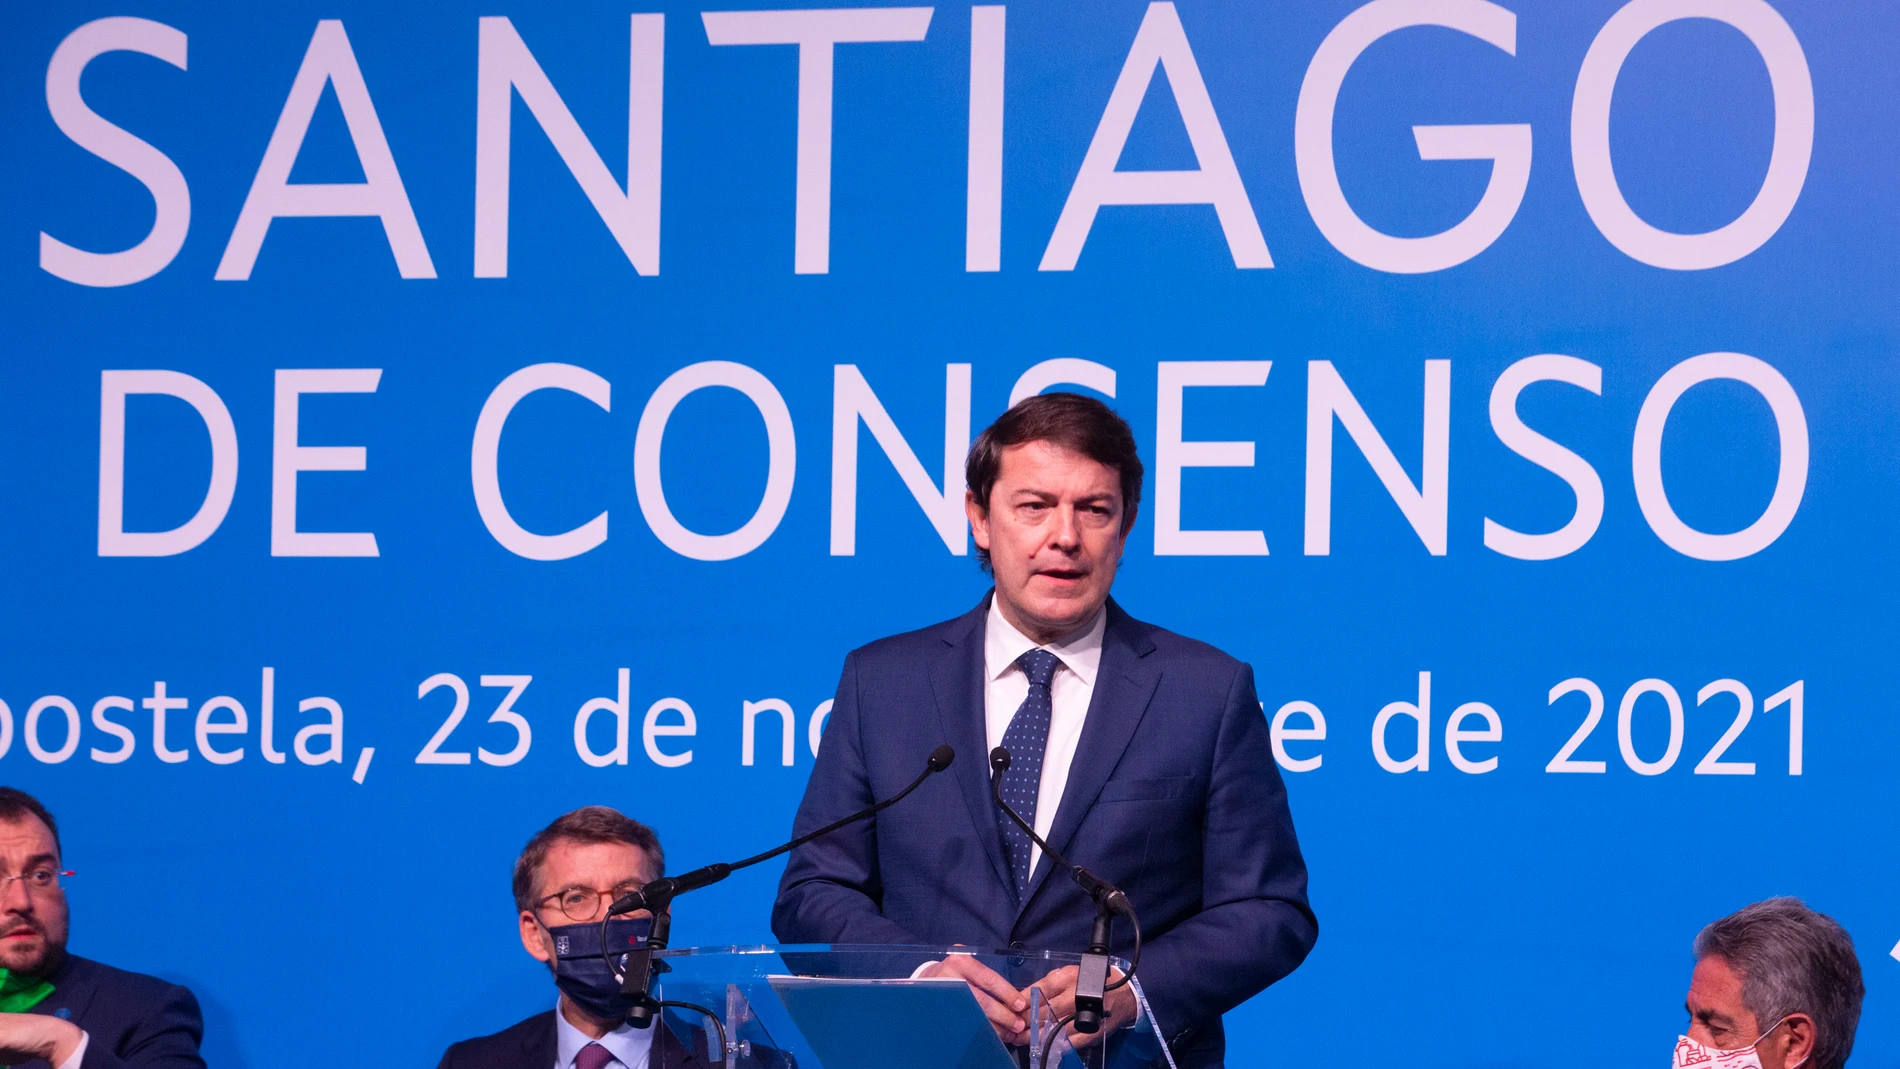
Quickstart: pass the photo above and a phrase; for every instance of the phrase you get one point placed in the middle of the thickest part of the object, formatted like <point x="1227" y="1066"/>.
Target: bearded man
<point x="61" y="1010"/>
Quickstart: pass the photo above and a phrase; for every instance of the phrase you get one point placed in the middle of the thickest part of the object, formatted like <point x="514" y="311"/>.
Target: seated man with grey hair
<point x="1776" y="986"/>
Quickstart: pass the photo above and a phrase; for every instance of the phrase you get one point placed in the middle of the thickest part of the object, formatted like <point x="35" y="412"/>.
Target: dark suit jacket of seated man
<point x="71" y="1012"/>
<point x="535" y="1044"/>
<point x="131" y="1021"/>
<point x="1172" y="794"/>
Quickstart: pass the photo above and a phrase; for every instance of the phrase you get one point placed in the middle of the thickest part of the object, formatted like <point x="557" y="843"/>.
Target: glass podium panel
<point x="842" y="1006"/>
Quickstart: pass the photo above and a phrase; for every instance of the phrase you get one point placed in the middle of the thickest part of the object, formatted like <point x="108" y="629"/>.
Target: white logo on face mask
<point x="1693" y="1055"/>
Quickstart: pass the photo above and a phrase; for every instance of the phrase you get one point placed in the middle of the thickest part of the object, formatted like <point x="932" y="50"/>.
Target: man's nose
<point x="15" y="899"/>
<point x="1067" y="534"/>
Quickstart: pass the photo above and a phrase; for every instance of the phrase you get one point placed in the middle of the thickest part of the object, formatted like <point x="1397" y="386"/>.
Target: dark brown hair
<point x="588" y="824"/>
<point x="1070" y="420"/>
<point x="16" y="804"/>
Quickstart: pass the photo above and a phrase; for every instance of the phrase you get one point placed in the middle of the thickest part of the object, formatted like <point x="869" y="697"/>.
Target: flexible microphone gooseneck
<point x="1092" y="978"/>
<point x="657" y="896"/>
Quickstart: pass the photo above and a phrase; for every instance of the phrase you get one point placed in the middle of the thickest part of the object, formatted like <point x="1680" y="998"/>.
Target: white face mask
<point x="1693" y="1055"/>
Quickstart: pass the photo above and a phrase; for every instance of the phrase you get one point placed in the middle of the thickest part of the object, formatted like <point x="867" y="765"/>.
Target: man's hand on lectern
<point x="1005" y="1006"/>
<point x="1058" y="993"/>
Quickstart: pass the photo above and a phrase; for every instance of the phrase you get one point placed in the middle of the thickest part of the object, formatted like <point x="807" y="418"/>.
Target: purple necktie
<point x="592" y="1056"/>
<point x="1025" y="739"/>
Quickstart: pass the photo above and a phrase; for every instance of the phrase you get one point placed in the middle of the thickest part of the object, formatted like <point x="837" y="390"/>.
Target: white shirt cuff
<point x="78" y="1055"/>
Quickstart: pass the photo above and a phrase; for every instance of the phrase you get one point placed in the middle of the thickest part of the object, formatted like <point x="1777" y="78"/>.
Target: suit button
<point x="1016" y="944"/>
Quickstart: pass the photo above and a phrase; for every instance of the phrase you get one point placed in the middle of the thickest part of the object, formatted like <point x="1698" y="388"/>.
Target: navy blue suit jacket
<point x="1173" y="795"/>
<point x="132" y="1021"/>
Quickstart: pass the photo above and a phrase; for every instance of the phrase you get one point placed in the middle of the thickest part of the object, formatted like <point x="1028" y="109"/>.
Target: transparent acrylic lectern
<point x="855" y="1007"/>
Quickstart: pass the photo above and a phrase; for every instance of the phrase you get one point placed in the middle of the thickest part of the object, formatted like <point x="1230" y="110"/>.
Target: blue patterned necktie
<point x="1025" y="739"/>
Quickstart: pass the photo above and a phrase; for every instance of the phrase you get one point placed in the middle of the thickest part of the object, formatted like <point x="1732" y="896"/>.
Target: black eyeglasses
<point x="580" y="904"/>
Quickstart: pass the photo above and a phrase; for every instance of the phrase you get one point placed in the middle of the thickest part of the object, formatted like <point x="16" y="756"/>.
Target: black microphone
<point x="658" y="896"/>
<point x="1091" y="983"/>
<point x="1101" y="891"/>
<point x="660" y="891"/>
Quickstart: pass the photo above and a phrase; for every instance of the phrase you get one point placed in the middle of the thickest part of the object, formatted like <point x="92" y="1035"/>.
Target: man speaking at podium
<point x="1136" y="752"/>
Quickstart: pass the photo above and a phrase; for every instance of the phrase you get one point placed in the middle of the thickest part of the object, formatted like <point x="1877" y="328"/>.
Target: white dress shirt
<point x="629" y="1045"/>
<point x="1005" y="687"/>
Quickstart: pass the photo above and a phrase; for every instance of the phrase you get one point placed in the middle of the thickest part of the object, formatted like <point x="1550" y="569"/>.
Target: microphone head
<point x="941" y="757"/>
<point x="999" y="760"/>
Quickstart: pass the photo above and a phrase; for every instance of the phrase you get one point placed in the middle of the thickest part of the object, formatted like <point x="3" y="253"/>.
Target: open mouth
<point x="1064" y="575"/>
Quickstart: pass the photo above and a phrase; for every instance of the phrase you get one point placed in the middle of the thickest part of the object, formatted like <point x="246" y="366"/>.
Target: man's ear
<point x="1128" y="526"/>
<point x="534" y="938"/>
<point x="979" y="519"/>
<point x="1797" y="1042"/>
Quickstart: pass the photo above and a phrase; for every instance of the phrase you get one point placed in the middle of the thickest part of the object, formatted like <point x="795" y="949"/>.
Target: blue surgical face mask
<point x="581" y="972"/>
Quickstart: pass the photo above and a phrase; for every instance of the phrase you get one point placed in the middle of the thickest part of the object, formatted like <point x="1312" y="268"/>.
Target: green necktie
<point x="21" y="993"/>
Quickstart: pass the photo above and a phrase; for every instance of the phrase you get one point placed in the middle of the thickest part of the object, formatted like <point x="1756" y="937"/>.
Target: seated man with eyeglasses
<point x="565" y="879"/>
<point x="59" y="1009"/>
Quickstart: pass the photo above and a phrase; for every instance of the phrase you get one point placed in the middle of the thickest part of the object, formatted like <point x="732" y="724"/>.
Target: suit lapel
<point x="73" y="990"/>
<point x="957" y="681"/>
<point x="1124" y="684"/>
<point x="541" y="1046"/>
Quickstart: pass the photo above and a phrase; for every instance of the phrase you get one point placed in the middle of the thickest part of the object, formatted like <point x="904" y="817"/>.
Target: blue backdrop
<point x="333" y="895"/>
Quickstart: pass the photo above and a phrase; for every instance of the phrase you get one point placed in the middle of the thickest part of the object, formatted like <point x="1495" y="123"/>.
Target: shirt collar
<point x="1080" y="652"/>
<point x="629" y="1045"/>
